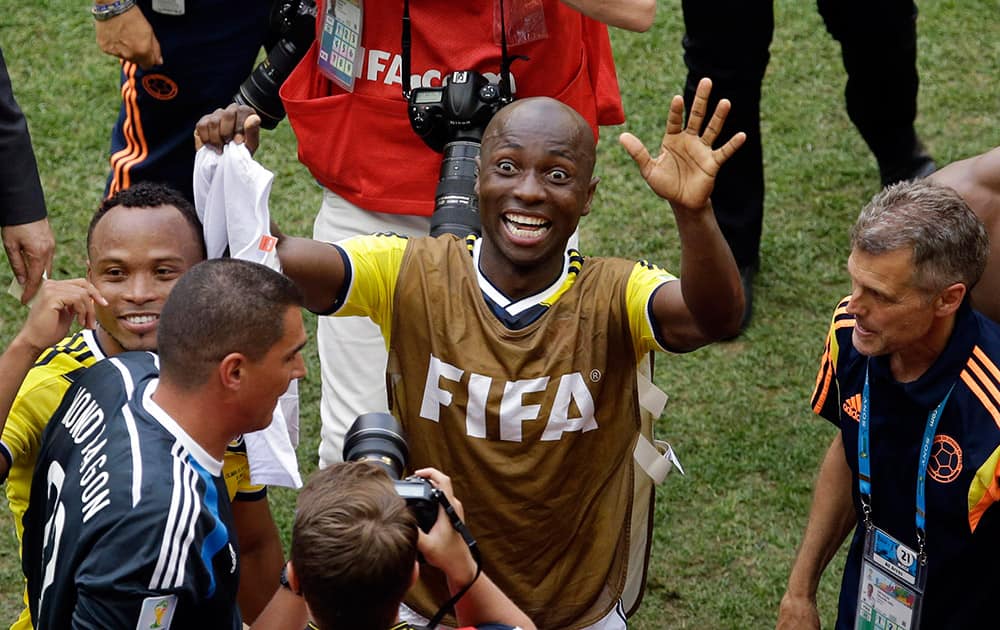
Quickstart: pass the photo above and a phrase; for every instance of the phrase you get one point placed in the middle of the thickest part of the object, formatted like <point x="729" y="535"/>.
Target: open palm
<point x="684" y="171"/>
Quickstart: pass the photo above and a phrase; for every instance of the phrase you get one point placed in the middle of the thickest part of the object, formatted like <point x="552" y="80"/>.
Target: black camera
<point x="293" y="22"/>
<point x="451" y="119"/>
<point x="377" y="438"/>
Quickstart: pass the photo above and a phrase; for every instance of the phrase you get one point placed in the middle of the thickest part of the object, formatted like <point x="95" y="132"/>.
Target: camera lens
<point x="293" y="21"/>
<point x="260" y="90"/>
<point x="377" y="438"/>
<point x="456" y="205"/>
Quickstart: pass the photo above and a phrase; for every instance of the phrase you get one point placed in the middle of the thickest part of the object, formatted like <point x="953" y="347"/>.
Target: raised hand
<point x="239" y="123"/>
<point x="59" y="302"/>
<point x="684" y="171"/>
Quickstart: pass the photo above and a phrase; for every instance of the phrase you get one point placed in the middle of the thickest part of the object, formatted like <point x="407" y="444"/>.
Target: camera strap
<point x="505" y="59"/>
<point x="460" y="527"/>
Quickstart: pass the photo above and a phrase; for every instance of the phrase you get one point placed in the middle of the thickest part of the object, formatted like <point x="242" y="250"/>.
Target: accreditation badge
<point x="169" y="7"/>
<point x="892" y="584"/>
<point x="340" y="41"/>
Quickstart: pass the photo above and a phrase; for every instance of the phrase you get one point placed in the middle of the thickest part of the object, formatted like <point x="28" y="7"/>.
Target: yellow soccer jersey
<point x="373" y="266"/>
<point x="36" y="401"/>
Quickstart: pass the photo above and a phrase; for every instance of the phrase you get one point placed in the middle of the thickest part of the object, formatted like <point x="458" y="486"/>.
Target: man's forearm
<point x="831" y="518"/>
<point x="710" y="280"/>
<point x="633" y="15"/>
<point x="486" y="603"/>
<point x="316" y="268"/>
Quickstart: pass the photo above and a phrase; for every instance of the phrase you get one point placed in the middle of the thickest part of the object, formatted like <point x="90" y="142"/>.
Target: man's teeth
<point x="140" y="319"/>
<point x="524" y="219"/>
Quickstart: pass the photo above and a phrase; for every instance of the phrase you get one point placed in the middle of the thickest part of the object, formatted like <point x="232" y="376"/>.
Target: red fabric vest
<point x="360" y="145"/>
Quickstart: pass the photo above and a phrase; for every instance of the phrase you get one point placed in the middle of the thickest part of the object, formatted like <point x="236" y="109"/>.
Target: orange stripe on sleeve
<point x="823" y="379"/>
<point x="991" y="387"/>
<point x="981" y="395"/>
<point x="987" y="363"/>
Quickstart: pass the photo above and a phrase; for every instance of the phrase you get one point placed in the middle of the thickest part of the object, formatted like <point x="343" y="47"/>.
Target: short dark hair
<point x="950" y="244"/>
<point x="150" y="195"/>
<point x="218" y="307"/>
<point x="354" y="544"/>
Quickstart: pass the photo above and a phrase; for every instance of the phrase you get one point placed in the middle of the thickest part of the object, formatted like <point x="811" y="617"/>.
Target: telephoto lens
<point x="377" y="438"/>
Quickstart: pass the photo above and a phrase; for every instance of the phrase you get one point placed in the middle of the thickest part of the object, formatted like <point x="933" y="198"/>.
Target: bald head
<point x="531" y="116"/>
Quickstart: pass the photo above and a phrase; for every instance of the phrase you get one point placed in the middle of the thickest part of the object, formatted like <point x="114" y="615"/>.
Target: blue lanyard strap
<point x="864" y="459"/>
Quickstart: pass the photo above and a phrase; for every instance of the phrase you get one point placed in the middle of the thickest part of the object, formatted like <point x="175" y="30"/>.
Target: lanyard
<point x="864" y="462"/>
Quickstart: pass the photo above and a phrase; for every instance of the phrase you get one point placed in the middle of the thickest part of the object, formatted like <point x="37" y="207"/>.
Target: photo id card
<point x="340" y="41"/>
<point x="169" y="7"/>
<point x="891" y="585"/>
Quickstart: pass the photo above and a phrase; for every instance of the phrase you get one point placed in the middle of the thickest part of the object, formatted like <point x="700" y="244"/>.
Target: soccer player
<point x="139" y="243"/>
<point x="513" y="359"/>
<point x="129" y="525"/>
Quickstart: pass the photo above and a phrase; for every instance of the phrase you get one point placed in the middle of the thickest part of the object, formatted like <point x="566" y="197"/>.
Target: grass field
<point x="738" y="416"/>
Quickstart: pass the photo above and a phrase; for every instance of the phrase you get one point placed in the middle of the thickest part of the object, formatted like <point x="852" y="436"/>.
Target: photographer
<point x="354" y="556"/>
<point x="377" y="173"/>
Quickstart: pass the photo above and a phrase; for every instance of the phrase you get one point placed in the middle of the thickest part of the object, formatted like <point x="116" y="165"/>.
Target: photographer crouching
<point x="354" y="557"/>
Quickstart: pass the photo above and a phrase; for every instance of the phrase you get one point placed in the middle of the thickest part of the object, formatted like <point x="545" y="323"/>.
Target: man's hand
<point x="130" y="37"/>
<point x="797" y="613"/>
<point x="30" y="247"/>
<point x="239" y="123"/>
<point x="684" y="172"/>
<point x="59" y="303"/>
<point x="443" y="547"/>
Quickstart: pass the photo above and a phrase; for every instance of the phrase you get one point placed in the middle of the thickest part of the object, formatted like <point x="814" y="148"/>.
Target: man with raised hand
<point x="512" y="358"/>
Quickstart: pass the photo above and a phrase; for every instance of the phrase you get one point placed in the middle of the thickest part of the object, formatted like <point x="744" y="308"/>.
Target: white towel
<point x="230" y="193"/>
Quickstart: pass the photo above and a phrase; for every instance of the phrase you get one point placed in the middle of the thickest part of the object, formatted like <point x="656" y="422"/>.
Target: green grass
<point x="726" y="534"/>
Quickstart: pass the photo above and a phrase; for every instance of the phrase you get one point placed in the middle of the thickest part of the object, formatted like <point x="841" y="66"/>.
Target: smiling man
<point x="130" y="524"/>
<point x="139" y="243"/>
<point x="512" y="359"/>
<point x="909" y="375"/>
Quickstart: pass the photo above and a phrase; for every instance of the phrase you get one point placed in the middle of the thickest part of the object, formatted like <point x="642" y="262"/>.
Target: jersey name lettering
<point x="85" y="420"/>
<point x="558" y="395"/>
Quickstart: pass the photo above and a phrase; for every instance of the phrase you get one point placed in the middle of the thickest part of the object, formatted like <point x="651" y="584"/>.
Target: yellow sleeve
<point x="33" y="406"/>
<point x="236" y="472"/>
<point x="642" y="283"/>
<point x="373" y="264"/>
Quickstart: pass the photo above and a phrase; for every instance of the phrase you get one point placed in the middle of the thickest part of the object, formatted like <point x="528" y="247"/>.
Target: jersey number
<point x="53" y="526"/>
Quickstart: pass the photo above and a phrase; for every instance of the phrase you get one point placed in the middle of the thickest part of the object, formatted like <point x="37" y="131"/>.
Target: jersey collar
<point x="200" y="455"/>
<point x="90" y="337"/>
<point x="514" y="308"/>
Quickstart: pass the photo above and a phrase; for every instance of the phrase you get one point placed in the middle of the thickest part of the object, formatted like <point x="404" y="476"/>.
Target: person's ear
<point x="293" y="579"/>
<point x="948" y="300"/>
<point x="232" y="371"/>
<point x="478" y="166"/>
<point x="591" y="188"/>
<point x="416" y="574"/>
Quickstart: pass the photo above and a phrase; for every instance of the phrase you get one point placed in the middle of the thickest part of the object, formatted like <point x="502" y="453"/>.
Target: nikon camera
<point x="451" y="120"/>
<point x="378" y="438"/>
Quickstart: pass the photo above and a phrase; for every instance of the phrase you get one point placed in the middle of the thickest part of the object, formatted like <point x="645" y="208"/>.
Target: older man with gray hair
<point x="909" y="375"/>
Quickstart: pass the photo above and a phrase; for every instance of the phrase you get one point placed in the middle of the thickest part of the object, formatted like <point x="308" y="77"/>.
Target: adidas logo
<point x="852" y="407"/>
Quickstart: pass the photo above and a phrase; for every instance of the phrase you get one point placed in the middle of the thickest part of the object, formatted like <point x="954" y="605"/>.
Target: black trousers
<point x="728" y="41"/>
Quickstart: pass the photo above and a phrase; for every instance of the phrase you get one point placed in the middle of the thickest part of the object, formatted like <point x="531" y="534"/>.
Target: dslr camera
<point x="378" y="438"/>
<point x="451" y="120"/>
<point x="293" y="23"/>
